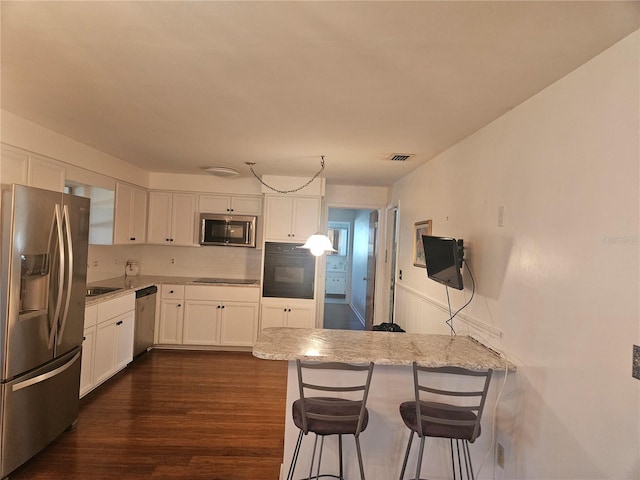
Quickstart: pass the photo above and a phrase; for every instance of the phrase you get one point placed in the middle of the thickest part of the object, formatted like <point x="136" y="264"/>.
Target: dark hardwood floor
<point x="341" y="316"/>
<point x="175" y="415"/>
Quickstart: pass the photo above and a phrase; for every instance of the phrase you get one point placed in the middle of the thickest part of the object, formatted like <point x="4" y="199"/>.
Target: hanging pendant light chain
<point x="251" y="164"/>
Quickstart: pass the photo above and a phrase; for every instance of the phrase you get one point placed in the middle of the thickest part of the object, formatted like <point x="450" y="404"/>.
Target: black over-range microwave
<point x="228" y="230"/>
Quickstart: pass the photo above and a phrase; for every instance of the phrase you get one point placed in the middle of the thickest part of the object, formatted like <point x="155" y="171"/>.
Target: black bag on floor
<point x="387" y="327"/>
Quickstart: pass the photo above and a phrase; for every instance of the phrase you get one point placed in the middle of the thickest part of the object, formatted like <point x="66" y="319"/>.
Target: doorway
<point x="350" y="272"/>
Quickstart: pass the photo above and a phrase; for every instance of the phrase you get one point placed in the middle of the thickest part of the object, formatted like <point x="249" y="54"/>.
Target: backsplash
<point x="108" y="261"/>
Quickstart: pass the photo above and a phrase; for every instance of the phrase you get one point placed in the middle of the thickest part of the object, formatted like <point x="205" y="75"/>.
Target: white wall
<point x="560" y="279"/>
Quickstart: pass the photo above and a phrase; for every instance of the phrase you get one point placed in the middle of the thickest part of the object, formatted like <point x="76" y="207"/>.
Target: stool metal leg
<point x="406" y="455"/>
<point x="294" y="459"/>
<point x="466" y="457"/>
<point x="419" y="466"/>
<point x="359" y="458"/>
<point x="319" y="456"/>
<point x="467" y="460"/>
<point x="313" y="456"/>
<point x="340" y="457"/>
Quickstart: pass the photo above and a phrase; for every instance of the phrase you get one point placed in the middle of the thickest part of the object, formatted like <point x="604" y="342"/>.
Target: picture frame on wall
<point x="420" y="229"/>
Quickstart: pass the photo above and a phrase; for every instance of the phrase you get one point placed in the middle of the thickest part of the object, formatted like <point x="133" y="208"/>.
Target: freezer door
<point x="30" y="264"/>
<point x="37" y="407"/>
<point x="75" y="228"/>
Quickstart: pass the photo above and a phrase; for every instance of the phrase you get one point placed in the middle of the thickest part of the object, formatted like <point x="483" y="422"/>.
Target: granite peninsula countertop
<point x="128" y="284"/>
<point x="382" y="348"/>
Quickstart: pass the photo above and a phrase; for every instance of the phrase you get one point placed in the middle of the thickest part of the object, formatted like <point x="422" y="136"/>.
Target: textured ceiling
<point x="178" y="86"/>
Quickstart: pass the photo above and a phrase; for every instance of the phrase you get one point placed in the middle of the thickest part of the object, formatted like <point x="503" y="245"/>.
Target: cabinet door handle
<point x="179" y="305"/>
<point x="222" y="306"/>
<point x="119" y="323"/>
<point x="170" y="291"/>
<point x="132" y="239"/>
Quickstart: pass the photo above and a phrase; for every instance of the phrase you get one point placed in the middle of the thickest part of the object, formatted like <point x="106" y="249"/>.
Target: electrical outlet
<point x="173" y="261"/>
<point x="636" y="362"/>
<point x="500" y="455"/>
<point x="95" y="264"/>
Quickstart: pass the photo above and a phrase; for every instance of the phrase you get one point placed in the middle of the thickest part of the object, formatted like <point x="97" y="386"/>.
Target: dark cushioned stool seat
<point x="435" y="410"/>
<point x="329" y="427"/>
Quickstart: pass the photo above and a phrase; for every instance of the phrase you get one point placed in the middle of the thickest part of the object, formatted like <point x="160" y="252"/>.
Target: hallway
<point x="341" y="316"/>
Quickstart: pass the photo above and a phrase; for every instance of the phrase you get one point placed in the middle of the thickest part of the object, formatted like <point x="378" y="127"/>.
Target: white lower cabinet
<point x="108" y="340"/>
<point x="171" y="314"/>
<point x="208" y="315"/>
<point x="283" y="313"/>
<point x="201" y="323"/>
<point x="125" y="327"/>
<point x="88" y="353"/>
<point x="239" y="324"/>
<point x="105" y="352"/>
<point x="336" y="284"/>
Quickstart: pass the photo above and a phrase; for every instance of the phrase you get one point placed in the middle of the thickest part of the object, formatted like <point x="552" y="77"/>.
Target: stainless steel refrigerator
<point x="42" y="293"/>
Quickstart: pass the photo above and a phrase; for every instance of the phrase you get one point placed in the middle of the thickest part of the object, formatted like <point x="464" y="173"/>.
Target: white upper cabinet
<point x="26" y="168"/>
<point x="172" y="218"/>
<point x="238" y="205"/>
<point x="130" y="214"/>
<point x="14" y="165"/>
<point x="45" y="173"/>
<point x="289" y="218"/>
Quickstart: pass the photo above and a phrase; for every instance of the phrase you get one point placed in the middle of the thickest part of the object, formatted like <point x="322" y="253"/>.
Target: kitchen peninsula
<point x="392" y="383"/>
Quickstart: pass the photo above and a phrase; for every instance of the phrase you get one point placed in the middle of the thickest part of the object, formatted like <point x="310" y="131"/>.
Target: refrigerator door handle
<point x="61" y="252"/>
<point x="69" y="244"/>
<point x="46" y="376"/>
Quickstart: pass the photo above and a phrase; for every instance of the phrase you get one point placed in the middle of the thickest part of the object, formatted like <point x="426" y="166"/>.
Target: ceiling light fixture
<point x="251" y="164"/>
<point x="222" y="171"/>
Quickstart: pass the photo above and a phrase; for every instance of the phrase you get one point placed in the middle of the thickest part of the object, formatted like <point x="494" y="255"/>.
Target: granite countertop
<point x="382" y="348"/>
<point x="129" y="284"/>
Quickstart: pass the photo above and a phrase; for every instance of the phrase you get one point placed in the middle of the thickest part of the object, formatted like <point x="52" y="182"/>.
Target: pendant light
<point x="319" y="244"/>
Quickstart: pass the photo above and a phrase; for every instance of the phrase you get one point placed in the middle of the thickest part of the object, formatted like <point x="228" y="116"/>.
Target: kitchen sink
<point x="95" y="291"/>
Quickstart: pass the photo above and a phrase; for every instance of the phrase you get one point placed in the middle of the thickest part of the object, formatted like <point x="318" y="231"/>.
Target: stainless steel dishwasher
<point x="145" y="319"/>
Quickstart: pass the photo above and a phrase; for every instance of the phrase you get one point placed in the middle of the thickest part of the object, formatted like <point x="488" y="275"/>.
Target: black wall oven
<point x="289" y="271"/>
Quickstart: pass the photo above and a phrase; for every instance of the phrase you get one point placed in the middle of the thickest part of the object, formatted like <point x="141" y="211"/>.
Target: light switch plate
<point x="636" y="362"/>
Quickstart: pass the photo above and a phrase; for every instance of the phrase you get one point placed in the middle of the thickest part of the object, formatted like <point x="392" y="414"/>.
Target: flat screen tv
<point x="443" y="257"/>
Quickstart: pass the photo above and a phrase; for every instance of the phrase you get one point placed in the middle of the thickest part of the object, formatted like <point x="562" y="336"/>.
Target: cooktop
<point x="228" y="281"/>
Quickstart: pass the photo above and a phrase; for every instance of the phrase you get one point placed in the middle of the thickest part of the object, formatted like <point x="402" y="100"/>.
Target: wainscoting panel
<point x="418" y="313"/>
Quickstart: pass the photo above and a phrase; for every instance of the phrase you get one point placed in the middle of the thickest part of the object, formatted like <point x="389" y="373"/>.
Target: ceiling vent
<point x="400" y="157"/>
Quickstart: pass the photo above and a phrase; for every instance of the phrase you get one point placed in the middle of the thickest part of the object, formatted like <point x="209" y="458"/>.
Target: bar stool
<point x="331" y="415"/>
<point x="432" y="415"/>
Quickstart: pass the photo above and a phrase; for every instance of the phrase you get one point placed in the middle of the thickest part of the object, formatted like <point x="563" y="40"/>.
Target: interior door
<point x="371" y="269"/>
